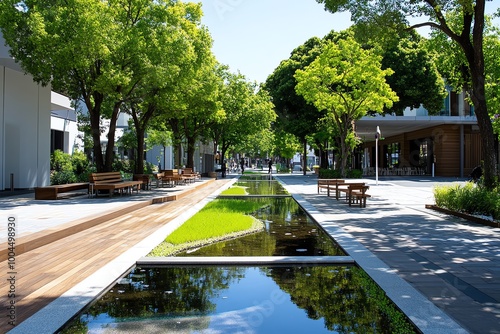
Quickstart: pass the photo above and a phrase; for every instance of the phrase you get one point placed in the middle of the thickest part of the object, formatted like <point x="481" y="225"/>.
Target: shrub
<point x="60" y="161"/>
<point x="335" y="174"/>
<point x="66" y="168"/>
<point x="329" y="174"/>
<point x="469" y="198"/>
<point x="354" y="173"/>
<point x="62" y="177"/>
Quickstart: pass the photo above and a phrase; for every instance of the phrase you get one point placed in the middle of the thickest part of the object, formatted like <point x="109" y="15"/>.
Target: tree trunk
<point x="96" y="139"/>
<point x="110" y="156"/>
<point x="190" y="152"/>
<point x="139" y="160"/>
<point x="94" y="107"/>
<point x="475" y="58"/>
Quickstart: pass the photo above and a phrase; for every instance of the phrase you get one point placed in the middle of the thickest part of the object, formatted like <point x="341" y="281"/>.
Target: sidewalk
<point x="452" y="262"/>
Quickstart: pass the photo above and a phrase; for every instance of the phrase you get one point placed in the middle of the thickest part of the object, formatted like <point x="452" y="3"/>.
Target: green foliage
<point x="236" y="190"/>
<point x="66" y="168"/>
<point x="60" y="161"/>
<point x="283" y="169"/>
<point x="124" y="166"/>
<point x="62" y="177"/>
<point x="336" y="83"/>
<point x="469" y="198"/>
<point x="329" y="174"/>
<point x="336" y="174"/>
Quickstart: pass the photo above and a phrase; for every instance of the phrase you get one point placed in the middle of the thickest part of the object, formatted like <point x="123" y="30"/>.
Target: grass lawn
<point x="235" y="190"/>
<point x="218" y="220"/>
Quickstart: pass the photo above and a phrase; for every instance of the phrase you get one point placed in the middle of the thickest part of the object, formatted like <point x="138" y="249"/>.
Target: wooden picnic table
<point x="328" y="184"/>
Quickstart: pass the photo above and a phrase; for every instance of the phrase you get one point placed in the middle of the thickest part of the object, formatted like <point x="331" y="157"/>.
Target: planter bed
<point x="466" y="216"/>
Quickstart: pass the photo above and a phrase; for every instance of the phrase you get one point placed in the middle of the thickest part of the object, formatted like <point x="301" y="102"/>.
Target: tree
<point x="247" y="111"/>
<point x="468" y="36"/>
<point x="286" y="145"/>
<point x="95" y="51"/>
<point x="295" y="115"/>
<point x="346" y="81"/>
<point x="416" y="79"/>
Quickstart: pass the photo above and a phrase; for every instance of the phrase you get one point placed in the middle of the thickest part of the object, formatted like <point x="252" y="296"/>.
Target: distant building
<point x="416" y="143"/>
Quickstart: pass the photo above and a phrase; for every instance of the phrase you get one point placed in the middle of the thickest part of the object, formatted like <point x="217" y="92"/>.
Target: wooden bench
<point x="176" y="177"/>
<point x="328" y="184"/>
<point x="163" y="181"/>
<point x="358" y="195"/>
<point x="355" y="192"/>
<point x="146" y="180"/>
<point x="189" y="172"/>
<point x="111" y="181"/>
<point x="53" y="192"/>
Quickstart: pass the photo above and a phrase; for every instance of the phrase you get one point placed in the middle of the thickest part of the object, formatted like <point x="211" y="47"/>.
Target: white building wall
<point x="2" y="127"/>
<point x="26" y="125"/>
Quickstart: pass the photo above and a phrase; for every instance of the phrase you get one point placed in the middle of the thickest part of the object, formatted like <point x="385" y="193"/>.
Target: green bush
<point x="124" y="166"/>
<point x="60" y="161"/>
<point x="469" y="198"/>
<point x="354" y="174"/>
<point x="62" y="177"/>
<point x="329" y="174"/>
<point x="66" y="168"/>
<point x="335" y="174"/>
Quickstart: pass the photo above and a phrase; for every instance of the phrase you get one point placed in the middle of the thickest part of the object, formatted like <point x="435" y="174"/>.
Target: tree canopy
<point x="102" y="52"/>
<point x="347" y="82"/>
<point x="468" y="36"/>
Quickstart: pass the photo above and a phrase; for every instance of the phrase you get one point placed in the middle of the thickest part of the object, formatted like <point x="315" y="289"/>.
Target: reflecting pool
<point x="272" y="187"/>
<point x="315" y="299"/>
<point x="289" y="231"/>
<point x="305" y="298"/>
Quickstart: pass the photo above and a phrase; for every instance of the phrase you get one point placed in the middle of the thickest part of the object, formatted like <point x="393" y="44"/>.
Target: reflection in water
<point x="262" y="187"/>
<point x="289" y="231"/>
<point x="316" y="299"/>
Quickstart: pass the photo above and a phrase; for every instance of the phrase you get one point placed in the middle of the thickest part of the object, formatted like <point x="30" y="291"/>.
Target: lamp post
<point x="377" y="136"/>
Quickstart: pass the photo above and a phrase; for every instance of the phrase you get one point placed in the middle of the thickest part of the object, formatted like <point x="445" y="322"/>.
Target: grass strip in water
<point x="219" y="220"/>
<point x="235" y="190"/>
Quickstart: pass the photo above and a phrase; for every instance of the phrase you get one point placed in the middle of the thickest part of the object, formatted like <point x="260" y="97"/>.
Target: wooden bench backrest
<point x="187" y="171"/>
<point x="357" y="186"/>
<point x="107" y="177"/>
<point x="330" y="181"/>
<point x="170" y="172"/>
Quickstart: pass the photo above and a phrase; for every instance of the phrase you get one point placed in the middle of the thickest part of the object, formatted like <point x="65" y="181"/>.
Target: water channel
<point x="304" y="298"/>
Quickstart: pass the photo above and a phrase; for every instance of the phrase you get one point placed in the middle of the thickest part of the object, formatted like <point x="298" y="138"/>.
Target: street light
<point x="377" y="136"/>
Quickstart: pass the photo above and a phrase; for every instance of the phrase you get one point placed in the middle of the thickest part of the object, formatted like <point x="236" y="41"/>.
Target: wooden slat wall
<point x="447" y="150"/>
<point x="473" y="152"/>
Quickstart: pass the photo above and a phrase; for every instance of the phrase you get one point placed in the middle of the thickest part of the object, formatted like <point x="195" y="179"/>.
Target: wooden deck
<point x="45" y="273"/>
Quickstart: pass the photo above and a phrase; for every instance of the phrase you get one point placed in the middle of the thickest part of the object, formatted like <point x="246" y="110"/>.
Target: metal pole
<point x="376" y="160"/>
<point x="377" y="135"/>
<point x="12" y="182"/>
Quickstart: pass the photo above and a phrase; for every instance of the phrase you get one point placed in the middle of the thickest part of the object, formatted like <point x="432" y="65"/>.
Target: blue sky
<point x="254" y="36"/>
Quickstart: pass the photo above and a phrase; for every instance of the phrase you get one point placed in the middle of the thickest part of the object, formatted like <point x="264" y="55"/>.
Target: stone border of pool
<point x="423" y="313"/>
<point x="243" y="260"/>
